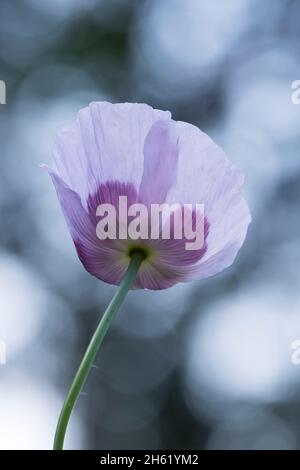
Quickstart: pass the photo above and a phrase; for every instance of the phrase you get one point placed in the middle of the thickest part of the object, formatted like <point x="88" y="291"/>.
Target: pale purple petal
<point x="206" y="176"/>
<point x="160" y="162"/>
<point x="105" y="143"/>
<point x="78" y="221"/>
<point x="103" y="259"/>
<point x="217" y="259"/>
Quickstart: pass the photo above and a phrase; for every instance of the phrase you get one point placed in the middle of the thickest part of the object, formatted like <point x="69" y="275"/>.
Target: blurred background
<point x="205" y="365"/>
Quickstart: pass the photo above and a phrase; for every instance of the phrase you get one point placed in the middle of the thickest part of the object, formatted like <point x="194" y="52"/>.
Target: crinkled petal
<point x="206" y="176"/>
<point x="78" y="221"/>
<point x="105" y="143"/>
<point x="220" y="258"/>
<point x="101" y="260"/>
<point x="160" y="162"/>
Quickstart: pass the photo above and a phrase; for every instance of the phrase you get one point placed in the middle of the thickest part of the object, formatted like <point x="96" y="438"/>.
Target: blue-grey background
<point x="205" y="365"/>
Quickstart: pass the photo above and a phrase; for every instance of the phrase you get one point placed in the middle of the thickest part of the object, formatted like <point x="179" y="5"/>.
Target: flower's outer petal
<point x="103" y="259"/>
<point x="104" y="143"/>
<point x="225" y="243"/>
<point x="77" y="219"/>
<point x="170" y="265"/>
<point x="160" y="162"/>
<point x="206" y="176"/>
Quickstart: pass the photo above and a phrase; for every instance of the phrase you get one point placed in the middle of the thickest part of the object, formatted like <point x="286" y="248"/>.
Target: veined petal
<point x="101" y="259"/>
<point x="225" y="243"/>
<point x="78" y="221"/>
<point x="160" y="162"/>
<point x="105" y="143"/>
<point x="206" y="176"/>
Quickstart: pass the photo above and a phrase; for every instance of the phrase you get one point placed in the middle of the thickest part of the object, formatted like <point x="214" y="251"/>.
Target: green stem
<point x="91" y="352"/>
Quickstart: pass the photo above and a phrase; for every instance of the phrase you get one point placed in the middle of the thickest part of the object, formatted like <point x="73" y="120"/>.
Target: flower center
<point x="138" y="249"/>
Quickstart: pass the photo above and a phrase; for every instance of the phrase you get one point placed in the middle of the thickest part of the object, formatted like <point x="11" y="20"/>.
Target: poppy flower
<point x="133" y="150"/>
